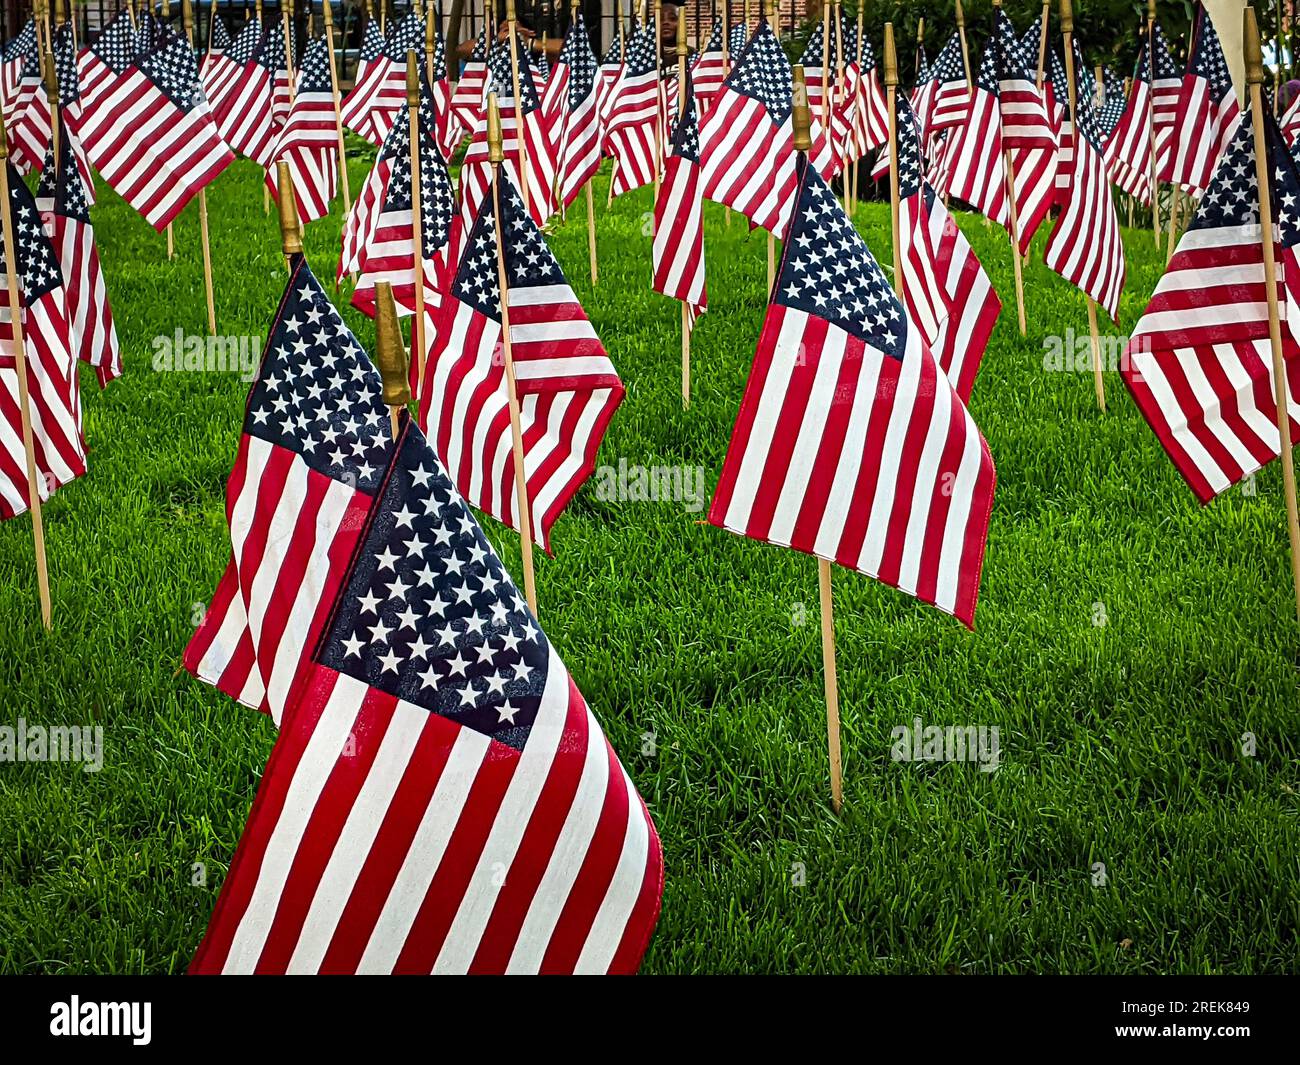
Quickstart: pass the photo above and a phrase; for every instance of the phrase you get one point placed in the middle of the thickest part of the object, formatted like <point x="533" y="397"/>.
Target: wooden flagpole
<point x="1067" y="33"/>
<point x="512" y="26"/>
<point x="764" y="10"/>
<point x="1151" y="119"/>
<point x="891" y="96"/>
<point x="1042" y="41"/>
<point x="328" y="13"/>
<point x="591" y="210"/>
<point x="686" y="311"/>
<point x="187" y="18"/>
<point x="390" y="356"/>
<point x="496" y="155"/>
<point x="1281" y="384"/>
<point x="417" y="214"/>
<point x="171" y="236"/>
<point x="839" y="87"/>
<point x="266" y="192"/>
<point x="20" y="367"/>
<point x="853" y="177"/>
<point x="726" y="59"/>
<point x="802" y="124"/>
<point x="661" y="106"/>
<point x="1009" y="166"/>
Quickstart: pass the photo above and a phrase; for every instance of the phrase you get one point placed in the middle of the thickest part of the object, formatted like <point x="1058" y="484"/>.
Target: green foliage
<point x="1121" y="743"/>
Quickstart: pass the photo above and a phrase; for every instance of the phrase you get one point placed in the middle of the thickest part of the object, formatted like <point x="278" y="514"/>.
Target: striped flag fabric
<point x="311" y="459"/>
<point x="975" y="163"/>
<point x="388" y="251"/>
<point x="448" y="130"/>
<point x="1207" y="108"/>
<point x="1085" y="246"/>
<point x="385" y="88"/>
<point x="850" y="444"/>
<point x="1290" y="122"/>
<point x="64" y="205"/>
<point x="1111" y="105"/>
<point x="225" y="72"/>
<point x="441" y="799"/>
<point x="53" y="397"/>
<point x="1199" y="363"/>
<point x="468" y="99"/>
<point x="576" y="125"/>
<point x="948" y="296"/>
<point x="371" y="75"/>
<point x="1166" y="96"/>
<point x="951" y="102"/>
<point x="1024" y="119"/>
<point x="539" y="149"/>
<point x="611" y="69"/>
<point x="31" y="137"/>
<point x="864" y="109"/>
<point x="277" y="53"/>
<point x="309" y="140"/>
<point x="632" y="128"/>
<point x="747" y="151"/>
<point x="150" y="132"/>
<point x="1128" y="151"/>
<point x="218" y="42"/>
<point x="708" y="68"/>
<point x="13" y="60"/>
<point x="678" y="250"/>
<point x="567" y="387"/>
<point x="245" y="117"/>
<point x="740" y="35"/>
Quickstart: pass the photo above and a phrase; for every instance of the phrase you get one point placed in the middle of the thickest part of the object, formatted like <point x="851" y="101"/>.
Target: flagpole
<point x="187" y="18"/>
<point x="171" y="236"/>
<point x="858" y="103"/>
<point x="52" y="94"/>
<point x="1281" y="386"/>
<point x="591" y="209"/>
<point x="686" y="313"/>
<point x="328" y="12"/>
<point x="1009" y="166"/>
<point x="266" y="192"/>
<point x="764" y="10"/>
<point x="726" y="60"/>
<point x="496" y="155"/>
<point x="417" y="214"/>
<point x="1151" y="119"/>
<point x="20" y="366"/>
<point x="390" y="356"/>
<point x="801" y="121"/>
<point x="661" y="104"/>
<point x="512" y="24"/>
<point x="1042" y="42"/>
<point x="891" y="96"/>
<point x="1067" y="33"/>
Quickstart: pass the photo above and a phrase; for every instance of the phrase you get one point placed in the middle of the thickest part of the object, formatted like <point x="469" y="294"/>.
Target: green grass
<point x="1121" y="743"/>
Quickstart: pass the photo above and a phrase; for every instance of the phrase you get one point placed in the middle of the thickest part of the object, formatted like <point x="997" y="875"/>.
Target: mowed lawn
<point x="1127" y="640"/>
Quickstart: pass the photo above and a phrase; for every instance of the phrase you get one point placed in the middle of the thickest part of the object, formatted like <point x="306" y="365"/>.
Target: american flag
<point x="388" y="252"/>
<point x="312" y="455"/>
<point x="975" y="163"/>
<point x="390" y="94"/>
<point x="468" y="100"/>
<point x="371" y="75"/>
<point x="1025" y="122"/>
<point x="245" y="117"/>
<point x="826" y="90"/>
<point x="539" y="148"/>
<point x="1199" y="363"/>
<point x="1111" y="107"/>
<point x="850" y="444"/>
<point x="1166" y="95"/>
<point x="947" y="294"/>
<point x="611" y="69"/>
<point x="922" y="95"/>
<point x="218" y="42"/>
<point x="227" y="70"/>
<point x="309" y="141"/>
<point x="1085" y="246"/>
<point x="1128" y="151"/>
<point x="29" y="87"/>
<point x="739" y="40"/>
<point x="567" y="386"/>
<point x="277" y="58"/>
<point x="64" y="204"/>
<point x="441" y="799"/>
<point x="30" y="138"/>
<point x="1207" y="109"/>
<point x="575" y="125"/>
<point x="709" y="68"/>
<point x="747" y="151"/>
<point x="864" y="110"/>
<point x="149" y="132"/>
<point x="53" y="397"/>
<point x="13" y="59"/>
<point x="678" y="252"/>
<point x="632" y="129"/>
<point x="449" y="131"/>
<point x="1290" y="122"/>
<point x="951" y="100"/>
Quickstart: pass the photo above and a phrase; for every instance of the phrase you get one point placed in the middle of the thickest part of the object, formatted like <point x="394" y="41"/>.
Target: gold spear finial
<point x="891" y="57"/>
<point x="1067" y="16"/>
<point x="412" y="78"/>
<point x="961" y="18"/>
<point x="496" y="154"/>
<point x="327" y="13"/>
<point x="1251" y="46"/>
<point x="390" y="352"/>
<point x="290" y="232"/>
<point x="800" y="117"/>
